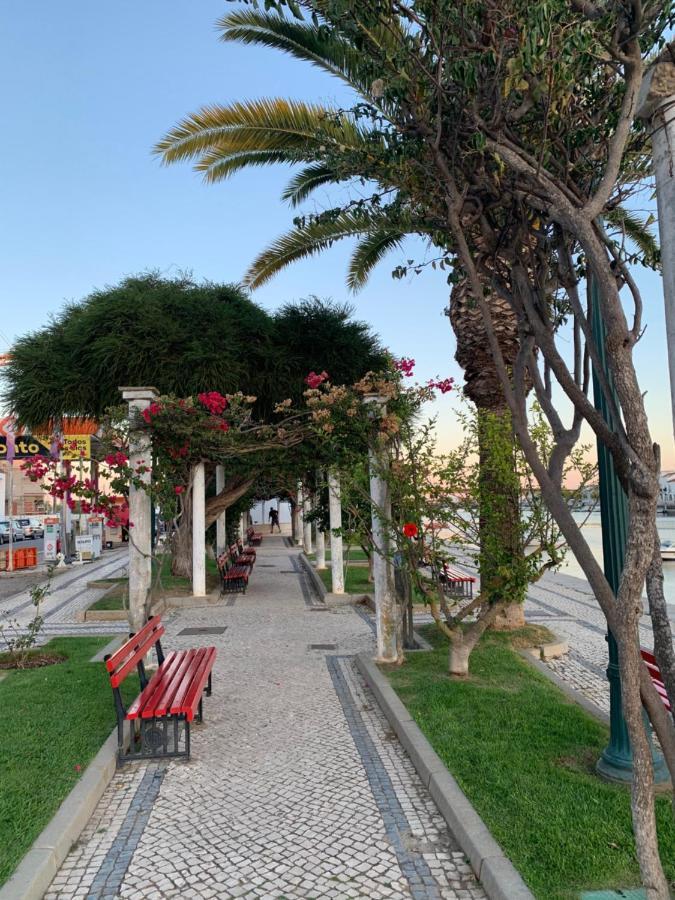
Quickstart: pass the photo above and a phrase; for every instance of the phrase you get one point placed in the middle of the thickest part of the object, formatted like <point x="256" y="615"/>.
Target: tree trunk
<point x="499" y="495"/>
<point x="181" y="559"/>
<point x="463" y="641"/>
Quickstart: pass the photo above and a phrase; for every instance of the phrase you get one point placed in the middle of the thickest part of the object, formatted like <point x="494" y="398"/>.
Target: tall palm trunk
<point x="499" y="495"/>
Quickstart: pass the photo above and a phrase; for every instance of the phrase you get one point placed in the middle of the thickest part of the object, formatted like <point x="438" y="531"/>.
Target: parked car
<point x="26" y="526"/>
<point x="17" y="531"/>
<point x="38" y="527"/>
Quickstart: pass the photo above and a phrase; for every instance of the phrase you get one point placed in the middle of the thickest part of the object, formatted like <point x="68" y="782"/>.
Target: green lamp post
<point x="616" y="762"/>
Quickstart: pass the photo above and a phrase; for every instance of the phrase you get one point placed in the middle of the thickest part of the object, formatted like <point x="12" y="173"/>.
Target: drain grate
<point x="319" y="609"/>
<point x="265" y="565"/>
<point x="206" y="629"/>
<point x="322" y="646"/>
<point x="287" y="572"/>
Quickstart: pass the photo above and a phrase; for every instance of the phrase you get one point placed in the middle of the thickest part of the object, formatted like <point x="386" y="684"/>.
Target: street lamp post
<point x="616" y="762"/>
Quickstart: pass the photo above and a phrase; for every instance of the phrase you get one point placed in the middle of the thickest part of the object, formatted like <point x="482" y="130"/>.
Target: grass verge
<point x="117" y="596"/>
<point x="525" y="755"/>
<point x="55" y="720"/>
<point x="356" y="580"/>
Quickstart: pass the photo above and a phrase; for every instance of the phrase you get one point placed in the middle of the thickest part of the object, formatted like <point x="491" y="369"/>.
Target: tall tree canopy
<point x="181" y="337"/>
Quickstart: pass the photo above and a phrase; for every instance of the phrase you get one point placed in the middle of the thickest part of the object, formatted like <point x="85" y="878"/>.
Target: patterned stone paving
<point x="296" y="787"/>
<point x="69" y="595"/>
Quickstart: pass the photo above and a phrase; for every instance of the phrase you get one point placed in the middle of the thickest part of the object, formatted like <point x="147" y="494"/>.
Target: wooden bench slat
<point x="189" y="701"/>
<point x="149" y="692"/>
<point x="163" y="702"/>
<point x="147" y="634"/>
<point x="116" y="678"/>
<point x="457" y="575"/>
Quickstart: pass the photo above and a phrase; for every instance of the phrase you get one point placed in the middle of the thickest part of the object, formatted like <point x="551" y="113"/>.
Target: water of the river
<point x="593" y="535"/>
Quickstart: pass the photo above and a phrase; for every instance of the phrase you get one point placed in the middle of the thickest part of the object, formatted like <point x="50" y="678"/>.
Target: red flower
<point x="313" y="380"/>
<point x="178" y="489"/>
<point x="443" y="386"/>
<point x="410" y="530"/>
<point x="213" y="401"/>
<point x="405" y="365"/>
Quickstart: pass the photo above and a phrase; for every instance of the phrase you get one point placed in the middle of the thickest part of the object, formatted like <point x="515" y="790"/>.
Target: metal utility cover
<point x="322" y="646"/>
<point x="207" y="629"/>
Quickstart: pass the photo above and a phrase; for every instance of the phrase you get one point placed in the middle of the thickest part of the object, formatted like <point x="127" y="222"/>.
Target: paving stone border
<point x="36" y="870"/>
<point x="319" y="586"/>
<point x="496" y="873"/>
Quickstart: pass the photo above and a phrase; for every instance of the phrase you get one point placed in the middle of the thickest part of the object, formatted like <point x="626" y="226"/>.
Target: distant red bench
<point x="242" y="556"/>
<point x="254" y="537"/>
<point x="456" y="582"/>
<point x="159" y="718"/>
<point x="233" y="574"/>
<point x="656" y="677"/>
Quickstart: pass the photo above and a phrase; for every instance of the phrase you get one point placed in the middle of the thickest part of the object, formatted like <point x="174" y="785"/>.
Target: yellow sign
<point x="76" y="446"/>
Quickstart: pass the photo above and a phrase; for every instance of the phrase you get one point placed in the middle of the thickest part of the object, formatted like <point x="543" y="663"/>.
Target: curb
<point x="319" y="586"/>
<point x="36" y="870"/>
<point x="496" y="873"/>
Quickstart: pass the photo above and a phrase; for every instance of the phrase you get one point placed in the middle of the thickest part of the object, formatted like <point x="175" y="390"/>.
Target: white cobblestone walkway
<point x="296" y="786"/>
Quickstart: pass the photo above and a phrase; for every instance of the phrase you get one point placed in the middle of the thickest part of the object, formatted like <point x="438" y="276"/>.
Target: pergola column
<point x="335" y="518"/>
<point x="387" y="623"/>
<point x="199" y="531"/>
<point x="299" y="518"/>
<point x="306" y="524"/>
<point x="140" y="507"/>
<point x="221" y="533"/>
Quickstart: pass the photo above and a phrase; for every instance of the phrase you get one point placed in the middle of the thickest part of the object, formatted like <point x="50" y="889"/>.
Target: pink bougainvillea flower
<point x="405" y="365"/>
<point x="313" y="380"/>
<point x="213" y="401"/>
<point x="443" y="386"/>
<point x="410" y="530"/>
<point x="178" y="489"/>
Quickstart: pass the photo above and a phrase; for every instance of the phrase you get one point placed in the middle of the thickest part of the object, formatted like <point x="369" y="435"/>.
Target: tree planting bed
<point x="524" y="755"/>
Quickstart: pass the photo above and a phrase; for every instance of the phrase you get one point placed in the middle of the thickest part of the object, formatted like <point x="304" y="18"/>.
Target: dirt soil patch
<point x="35" y="660"/>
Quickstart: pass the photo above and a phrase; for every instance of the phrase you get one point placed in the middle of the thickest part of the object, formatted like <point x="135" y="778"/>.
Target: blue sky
<point x="89" y="87"/>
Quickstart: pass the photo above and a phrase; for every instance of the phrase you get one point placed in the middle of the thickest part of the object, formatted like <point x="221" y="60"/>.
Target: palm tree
<point x="332" y="147"/>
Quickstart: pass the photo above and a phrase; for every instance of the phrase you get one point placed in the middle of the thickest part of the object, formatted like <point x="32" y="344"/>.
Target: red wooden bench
<point x="159" y="718"/>
<point x="233" y="576"/>
<point x="242" y="556"/>
<point x="656" y="677"/>
<point x="455" y="582"/>
<point x="254" y="538"/>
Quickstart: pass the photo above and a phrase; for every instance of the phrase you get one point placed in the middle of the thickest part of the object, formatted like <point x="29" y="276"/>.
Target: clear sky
<point x="89" y="87"/>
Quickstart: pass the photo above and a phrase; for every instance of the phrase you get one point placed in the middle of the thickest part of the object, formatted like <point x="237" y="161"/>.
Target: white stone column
<point x="221" y="534"/>
<point x="320" y="538"/>
<point x="335" y="517"/>
<point x="140" y="512"/>
<point x="299" y="521"/>
<point x="387" y="620"/>
<point x="199" y="531"/>
<point x="306" y="525"/>
<point x="656" y="103"/>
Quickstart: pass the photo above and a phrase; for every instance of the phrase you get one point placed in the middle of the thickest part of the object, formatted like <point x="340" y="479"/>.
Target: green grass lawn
<point x="117" y="598"/>
<point x="524" y="755"/>
<point x="54" y="719"/>
<point x="355" y="553"/>
<point x="356" y="580"/>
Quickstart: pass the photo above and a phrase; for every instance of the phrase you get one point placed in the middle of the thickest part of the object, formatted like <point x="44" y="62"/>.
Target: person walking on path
<point x="274" y="520"/>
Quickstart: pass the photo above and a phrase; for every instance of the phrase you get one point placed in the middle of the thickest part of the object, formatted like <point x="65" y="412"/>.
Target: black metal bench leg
<point x="208" y="686"/>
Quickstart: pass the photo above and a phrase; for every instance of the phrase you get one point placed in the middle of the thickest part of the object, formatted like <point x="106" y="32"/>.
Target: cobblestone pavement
<point x="296" y="786"/>
<point x="68" y="595"/>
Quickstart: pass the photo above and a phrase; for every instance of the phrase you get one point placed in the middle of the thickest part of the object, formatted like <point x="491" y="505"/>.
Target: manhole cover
<point x="207" y="629"/>
<point x="319" y="609"/>
<point x="322" y="646"/>
<point x="265" y="566"/>
<point x="287" y="572"/>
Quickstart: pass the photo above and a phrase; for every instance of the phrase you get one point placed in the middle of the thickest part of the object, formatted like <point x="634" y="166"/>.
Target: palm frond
<point x="254" y="126"/>
<point x="312" y="43"/>
<point x="307" y="180"/>
<point x="306" y="241"/>
<point x="369" y="252"/>
<point x="637" y="230"/>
